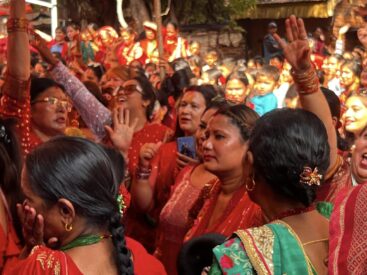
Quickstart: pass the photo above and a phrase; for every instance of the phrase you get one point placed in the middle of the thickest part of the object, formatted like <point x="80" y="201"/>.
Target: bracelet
<point x="307" y="81"/>
<point x="143" y="173"/>
<point x="17" y="24"/>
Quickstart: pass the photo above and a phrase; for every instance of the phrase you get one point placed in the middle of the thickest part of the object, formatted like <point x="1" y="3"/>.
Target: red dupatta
<point x="240" y="213"/>
<point x="348" y="234"/>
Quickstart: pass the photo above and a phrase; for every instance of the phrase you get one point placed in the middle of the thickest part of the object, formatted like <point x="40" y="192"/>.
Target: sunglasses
<point x="128" y="90"/>
<point x="53" y="101"/>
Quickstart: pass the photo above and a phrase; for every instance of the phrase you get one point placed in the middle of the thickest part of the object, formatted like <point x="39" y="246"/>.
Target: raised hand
<point x="147" y="153"/>
<point x="183" y="160"/>
<point x="40" y="44"/>
<point x="297" y="50"/>
<point x="123" y="129"/>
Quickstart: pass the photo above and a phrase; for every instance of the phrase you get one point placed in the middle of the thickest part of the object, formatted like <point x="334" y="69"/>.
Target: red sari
<point x="143" y="226"/>
<point x="348" y="234"/>
<point x="150" y="133"/>
<point x="335" y="182"/>
<point x="9" y="243"/>
<point x="16" y="104"/>
<point x="43" y="260"/>
<point x="240" y="213"/>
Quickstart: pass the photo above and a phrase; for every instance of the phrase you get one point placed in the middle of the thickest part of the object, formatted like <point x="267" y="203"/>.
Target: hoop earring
<point x="68" y="227"/>
<point x="249" y="189"/>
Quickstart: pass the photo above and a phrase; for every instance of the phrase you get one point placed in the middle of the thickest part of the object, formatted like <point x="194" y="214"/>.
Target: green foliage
<point x="210" y="11"/>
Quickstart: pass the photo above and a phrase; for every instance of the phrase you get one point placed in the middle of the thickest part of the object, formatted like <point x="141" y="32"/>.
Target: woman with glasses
<point x="134" y="97"/>
<point x="41" y="108"/>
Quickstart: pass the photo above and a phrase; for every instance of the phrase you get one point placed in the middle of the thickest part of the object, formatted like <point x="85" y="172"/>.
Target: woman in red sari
<point x="186" y="199"/>
<point x="40" y="109"/>
<point x="159" y="165"/>
<point x="72" y="204"/>
<point x="228" y="206"/>
<point x="10" y="195"/>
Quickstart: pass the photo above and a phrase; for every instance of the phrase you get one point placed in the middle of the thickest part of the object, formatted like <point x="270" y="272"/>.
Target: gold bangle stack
<point x="17" y="25"/>
<point x="307" y="81"/>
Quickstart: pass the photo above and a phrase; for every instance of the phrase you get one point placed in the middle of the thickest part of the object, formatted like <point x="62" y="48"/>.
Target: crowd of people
<point x="219" y="167"/>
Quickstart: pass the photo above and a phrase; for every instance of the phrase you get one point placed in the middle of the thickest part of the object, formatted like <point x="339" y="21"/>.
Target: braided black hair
<point x="84" y="173"/>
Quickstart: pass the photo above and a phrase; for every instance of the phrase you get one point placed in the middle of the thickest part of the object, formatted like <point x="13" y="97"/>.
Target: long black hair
<point x="82" y="172"/>
<point x="10" y="168"/>
<point x="283" y="143"/>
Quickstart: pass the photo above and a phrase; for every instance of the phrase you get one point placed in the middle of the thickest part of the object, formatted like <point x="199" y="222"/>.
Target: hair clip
<point x="310" y="177"/>
<point x="3" y="135"/>
<point x="121" y="204"/>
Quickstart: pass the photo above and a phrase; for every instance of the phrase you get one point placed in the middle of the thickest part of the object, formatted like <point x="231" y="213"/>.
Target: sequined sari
<point x="270" y="249"/>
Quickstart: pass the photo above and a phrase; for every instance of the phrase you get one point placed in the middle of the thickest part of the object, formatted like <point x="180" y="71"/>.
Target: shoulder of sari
<point x="325" y="208"/>
<point x="289" y="255"/>
<point x="259" y="245"/>
<point x="43" y="260"/>
<point x="231" y="258"/>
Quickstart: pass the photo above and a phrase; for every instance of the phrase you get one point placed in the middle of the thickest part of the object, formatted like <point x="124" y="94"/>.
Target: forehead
<point x="234" y="83"/>
<point x="263" y="77"/>
<point x="53" y="92"/>
<point x="208" y="114"/>
<point x="130" y="82"/>
<point x="354" y="101"/>
<point x="193" y="96"/>
<point x="223" y="123"/>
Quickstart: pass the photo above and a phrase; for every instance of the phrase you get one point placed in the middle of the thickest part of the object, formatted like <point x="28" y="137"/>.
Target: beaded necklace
<point x="84" y="240"/>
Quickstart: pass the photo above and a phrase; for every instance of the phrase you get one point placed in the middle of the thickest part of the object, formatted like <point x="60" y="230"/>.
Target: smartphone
<point x="187" y="146"/>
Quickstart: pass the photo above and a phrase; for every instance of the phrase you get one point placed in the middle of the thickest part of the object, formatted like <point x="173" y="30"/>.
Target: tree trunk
<point x="139" y="13"/>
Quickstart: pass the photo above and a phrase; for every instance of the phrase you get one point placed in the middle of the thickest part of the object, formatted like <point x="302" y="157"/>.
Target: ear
<point x="66" y="211"/>
<point x="146" y="103"/>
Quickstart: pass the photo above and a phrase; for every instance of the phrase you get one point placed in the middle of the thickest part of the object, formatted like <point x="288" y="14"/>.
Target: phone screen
<point x="187" y="146"/>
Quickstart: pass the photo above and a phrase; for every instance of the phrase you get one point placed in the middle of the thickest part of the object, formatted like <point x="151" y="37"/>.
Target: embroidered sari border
<point x="253" y="252"/>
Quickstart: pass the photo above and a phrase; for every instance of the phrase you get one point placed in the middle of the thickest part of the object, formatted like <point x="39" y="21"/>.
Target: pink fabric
<point x="173" y="221"/>
<point x="93" y="112"/>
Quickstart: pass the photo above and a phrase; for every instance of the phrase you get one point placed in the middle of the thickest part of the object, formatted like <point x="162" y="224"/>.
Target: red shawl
<point x="240" y="213"/>
<point x="348" y="234"/>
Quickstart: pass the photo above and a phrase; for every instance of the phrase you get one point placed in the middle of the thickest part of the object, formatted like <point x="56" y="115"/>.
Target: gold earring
<point x="249" y="189"/>
<point x="68" y="227"/>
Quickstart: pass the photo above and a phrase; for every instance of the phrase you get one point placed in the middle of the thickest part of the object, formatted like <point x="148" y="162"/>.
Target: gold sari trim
<point x="263" y="239"/>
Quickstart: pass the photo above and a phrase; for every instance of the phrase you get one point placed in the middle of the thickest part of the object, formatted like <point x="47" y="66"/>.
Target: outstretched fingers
<point x="301" y="29"/>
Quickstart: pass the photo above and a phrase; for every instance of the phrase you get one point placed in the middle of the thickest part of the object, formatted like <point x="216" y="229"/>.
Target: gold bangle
<point x="307" y="81"/>
<point x="17" y="24"/>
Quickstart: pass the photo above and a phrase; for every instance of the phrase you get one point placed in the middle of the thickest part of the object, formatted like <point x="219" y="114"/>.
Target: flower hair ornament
<point x="4" y="136"/>
<point x="310" y="177"/>
<point x="121" y="204"/>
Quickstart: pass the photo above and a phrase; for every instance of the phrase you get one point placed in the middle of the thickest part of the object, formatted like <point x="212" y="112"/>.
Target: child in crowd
<point x="264" y="99"/>
<point x="291" y="98"/>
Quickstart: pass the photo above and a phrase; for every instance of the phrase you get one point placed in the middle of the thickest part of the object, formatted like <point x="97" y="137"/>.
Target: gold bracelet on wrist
<point x="17" y="25"/>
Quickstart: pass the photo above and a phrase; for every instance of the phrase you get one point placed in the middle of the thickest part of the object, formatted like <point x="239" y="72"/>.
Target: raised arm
<point x="18" y="45"/>
<point x="297" y="52"/>
<point x="93" y="112"/>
